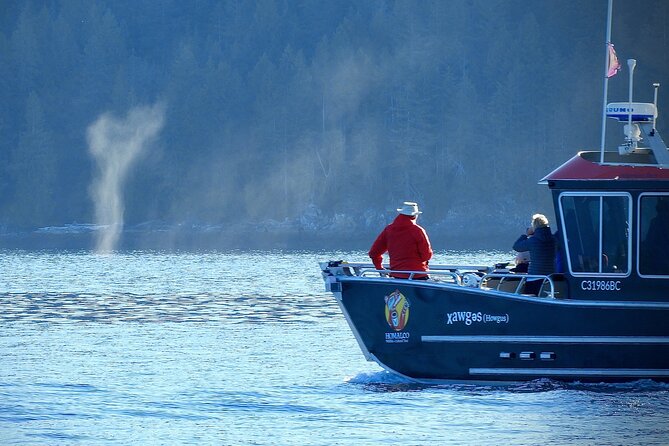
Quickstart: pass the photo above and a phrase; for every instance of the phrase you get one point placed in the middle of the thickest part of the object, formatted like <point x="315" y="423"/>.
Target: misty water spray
<point x="115" y="144"/>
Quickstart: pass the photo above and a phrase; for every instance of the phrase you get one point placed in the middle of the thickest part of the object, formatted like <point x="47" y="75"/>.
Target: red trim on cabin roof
<point x="578" y="168"/>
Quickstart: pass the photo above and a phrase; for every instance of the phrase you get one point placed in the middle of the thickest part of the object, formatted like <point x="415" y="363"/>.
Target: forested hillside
<point x="321" y="115"/>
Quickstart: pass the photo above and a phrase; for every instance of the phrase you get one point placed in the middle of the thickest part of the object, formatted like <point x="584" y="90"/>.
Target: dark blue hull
<point x="441" y="332"/>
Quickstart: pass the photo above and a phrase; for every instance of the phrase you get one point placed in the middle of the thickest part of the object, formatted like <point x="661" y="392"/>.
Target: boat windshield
<point x="597" y="232"/>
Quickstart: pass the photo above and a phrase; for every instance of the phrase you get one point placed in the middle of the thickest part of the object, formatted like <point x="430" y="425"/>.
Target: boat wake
<point x="384" y="381"/>
<point x="642" y="385"/>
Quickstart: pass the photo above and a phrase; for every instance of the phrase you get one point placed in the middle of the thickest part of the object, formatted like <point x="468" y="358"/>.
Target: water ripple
<point x="127" y="307"/>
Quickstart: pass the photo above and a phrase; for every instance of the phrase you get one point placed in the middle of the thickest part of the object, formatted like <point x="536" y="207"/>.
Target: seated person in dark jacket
<point x="540" y="243"/>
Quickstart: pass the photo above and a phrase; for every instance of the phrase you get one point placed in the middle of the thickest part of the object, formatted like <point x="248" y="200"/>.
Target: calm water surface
<point x="245" y="348"/>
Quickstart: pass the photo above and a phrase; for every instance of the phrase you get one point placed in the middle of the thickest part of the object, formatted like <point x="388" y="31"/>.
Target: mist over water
<point x="116" y="144"/>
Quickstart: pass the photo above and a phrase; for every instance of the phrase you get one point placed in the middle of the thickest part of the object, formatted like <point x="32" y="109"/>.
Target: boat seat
<point x="510" y="283"/>
<point x="490" y="283"/>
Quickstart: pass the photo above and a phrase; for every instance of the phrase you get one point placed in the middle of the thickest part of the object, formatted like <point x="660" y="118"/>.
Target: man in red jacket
<point x="407" y="244"/>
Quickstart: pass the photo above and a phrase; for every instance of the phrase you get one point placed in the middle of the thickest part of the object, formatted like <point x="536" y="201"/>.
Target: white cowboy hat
<point x="409" y="208"/>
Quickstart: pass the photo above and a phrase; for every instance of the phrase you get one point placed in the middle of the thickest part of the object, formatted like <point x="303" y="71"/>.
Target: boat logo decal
<point x="470" y="317"/>
<point x="397" y="310"/>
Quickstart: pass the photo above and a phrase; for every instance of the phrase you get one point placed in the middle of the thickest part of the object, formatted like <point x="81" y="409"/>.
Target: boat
<point x="604" y="318"/>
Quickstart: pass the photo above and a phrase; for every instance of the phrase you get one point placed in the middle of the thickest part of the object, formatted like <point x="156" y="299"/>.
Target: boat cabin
<point x="613" y="214"/>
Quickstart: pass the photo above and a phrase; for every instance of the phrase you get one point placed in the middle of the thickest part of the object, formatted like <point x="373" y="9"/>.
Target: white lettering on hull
<point x="601" y="285"/>
<point x="471" y="317"/>
<point x="397" y="337"/>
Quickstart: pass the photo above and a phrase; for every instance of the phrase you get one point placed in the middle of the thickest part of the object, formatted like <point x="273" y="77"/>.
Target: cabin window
<point x="597" y="232"/>
<point x="653" y="258"/>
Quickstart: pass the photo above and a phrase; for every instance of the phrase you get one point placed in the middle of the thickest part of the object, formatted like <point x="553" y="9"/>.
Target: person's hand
<point x="529" y="231"/>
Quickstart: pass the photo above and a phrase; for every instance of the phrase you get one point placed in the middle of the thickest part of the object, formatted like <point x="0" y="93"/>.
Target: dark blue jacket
<point x="541" y="246"/>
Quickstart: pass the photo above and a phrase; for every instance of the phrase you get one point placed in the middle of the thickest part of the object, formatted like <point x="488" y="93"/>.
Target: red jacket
<point x="407" y="245"/>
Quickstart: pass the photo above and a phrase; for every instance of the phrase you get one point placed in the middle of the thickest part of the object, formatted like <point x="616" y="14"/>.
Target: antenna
<point x="656" y="86"/>
<point x="631" y="64"/>
<point x="631" y="130"/>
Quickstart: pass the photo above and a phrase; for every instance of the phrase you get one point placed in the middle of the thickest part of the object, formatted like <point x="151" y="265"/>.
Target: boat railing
<point x="453" y="274"/>
<point x="483" y="277"/>
<point x="445" y="275"/>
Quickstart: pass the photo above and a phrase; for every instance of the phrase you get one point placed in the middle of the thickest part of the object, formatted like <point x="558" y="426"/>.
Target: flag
<point x="614" y="65"/>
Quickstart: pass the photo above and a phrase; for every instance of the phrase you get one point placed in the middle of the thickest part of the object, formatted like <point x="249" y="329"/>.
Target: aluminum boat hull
<point x="455" y="333"/>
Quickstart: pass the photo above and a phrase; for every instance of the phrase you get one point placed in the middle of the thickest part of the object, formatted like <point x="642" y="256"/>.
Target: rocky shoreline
<point x="267" y="237"/>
